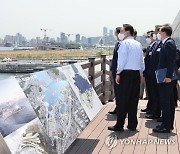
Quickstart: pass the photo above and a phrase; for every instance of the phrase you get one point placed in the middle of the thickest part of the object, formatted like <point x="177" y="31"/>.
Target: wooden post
<point x="111" y="96"/>
<point x="92" y="70"/>
<point x="103" y="78"/>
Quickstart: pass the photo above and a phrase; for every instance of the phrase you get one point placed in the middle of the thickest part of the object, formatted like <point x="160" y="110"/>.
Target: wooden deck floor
<point x="97" y="139"/>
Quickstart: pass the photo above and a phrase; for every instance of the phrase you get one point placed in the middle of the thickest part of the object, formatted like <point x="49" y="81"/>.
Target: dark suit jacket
<point x="147" y="60"/>
<point x="154" y="61"/>
<point x="167" y="57"/>
<point x="114" y="60"/>
<point x="178" y="58"/>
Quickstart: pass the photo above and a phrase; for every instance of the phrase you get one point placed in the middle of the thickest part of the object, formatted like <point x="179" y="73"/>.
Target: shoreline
<point x="33" y="54"/>
<point x="31" y="66"/>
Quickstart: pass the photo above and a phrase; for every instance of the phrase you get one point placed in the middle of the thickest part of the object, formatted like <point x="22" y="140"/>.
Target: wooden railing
<point x="100" y="79"/>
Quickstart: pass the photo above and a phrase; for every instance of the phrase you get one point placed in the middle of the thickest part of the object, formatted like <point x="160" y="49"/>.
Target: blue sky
<point x="86" y="17"/>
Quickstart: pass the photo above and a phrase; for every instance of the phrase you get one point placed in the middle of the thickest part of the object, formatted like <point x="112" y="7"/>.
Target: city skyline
<point x="80" y="17"/>
<point x="65" y="36"/>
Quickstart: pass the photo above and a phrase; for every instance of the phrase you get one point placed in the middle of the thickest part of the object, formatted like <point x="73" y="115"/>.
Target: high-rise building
<point x="38" y="40"/>
<point x="77" y="38"/>
<point x="105" y="31"/>
<point x="83" y="40"/>
<point x="9" y="39"/>
<point x="33" y="42"/>
<point x="89" y="41"/>
<point x="58" y="40"/>
<point x="63" y="37"/>
<point x="110" y="32"/>
<point x="19" y="39"/>
<point x="176" y="30"/>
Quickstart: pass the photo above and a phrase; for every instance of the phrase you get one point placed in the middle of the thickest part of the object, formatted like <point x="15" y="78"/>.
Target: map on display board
<point x="46" y="110"/>
<point x="83" y="89"/>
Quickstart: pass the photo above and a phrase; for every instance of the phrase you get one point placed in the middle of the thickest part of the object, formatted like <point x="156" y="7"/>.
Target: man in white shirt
<point x="129" y="69"/>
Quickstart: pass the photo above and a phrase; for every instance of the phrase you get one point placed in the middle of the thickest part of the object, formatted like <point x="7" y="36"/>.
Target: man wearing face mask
<point x="154" y="60"/>
<point x="167" y="59"/>
<point x="114" y="64"/>
<point x="151" y="41"/>
<point x="130" y="67"/>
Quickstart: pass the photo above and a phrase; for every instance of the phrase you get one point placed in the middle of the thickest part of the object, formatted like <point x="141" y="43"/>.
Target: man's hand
<point x="167" y="80"/>
<point x="117" y="79"/>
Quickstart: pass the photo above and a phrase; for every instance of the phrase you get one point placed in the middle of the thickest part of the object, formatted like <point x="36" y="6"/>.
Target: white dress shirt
<point x="130" y="55"/>
<point x="163" y="41"/>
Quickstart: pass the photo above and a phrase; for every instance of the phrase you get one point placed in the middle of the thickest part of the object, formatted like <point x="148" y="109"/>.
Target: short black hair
<point x="118" y="30"/>
<point x="166" y="25"/>
<point x="157" y="27"/>
<point x="152" y="34"/>
<point x="167" y="29"/>
<point x="135" y="32"/>
<point x="151" y="31"/>
<point x="129" y="28"/>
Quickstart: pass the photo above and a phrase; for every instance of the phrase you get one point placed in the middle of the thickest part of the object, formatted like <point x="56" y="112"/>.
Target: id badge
<point x="158" y="49"/>
<point x="150" y="53"/>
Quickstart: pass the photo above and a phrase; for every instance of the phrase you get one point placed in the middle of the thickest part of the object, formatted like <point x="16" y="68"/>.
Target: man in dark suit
<point x="167" y="59"/>
<point x="114" y="64"/>
<point x="152" y="42"/>
<point x="154" y="60"/>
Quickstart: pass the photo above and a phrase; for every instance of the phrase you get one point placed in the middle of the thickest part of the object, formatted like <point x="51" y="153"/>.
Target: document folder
<point x="161" y="75"/>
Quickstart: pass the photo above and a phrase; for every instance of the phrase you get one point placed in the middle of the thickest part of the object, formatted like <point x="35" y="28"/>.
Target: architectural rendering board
<point x="15" y="109"/>
<point x="56" y="105"/>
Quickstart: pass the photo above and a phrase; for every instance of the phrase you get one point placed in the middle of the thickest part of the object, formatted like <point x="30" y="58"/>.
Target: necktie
<point x="155" y="46"/>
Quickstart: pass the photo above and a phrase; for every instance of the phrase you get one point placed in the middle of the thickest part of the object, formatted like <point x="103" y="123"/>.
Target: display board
<point x="44" y="112"/>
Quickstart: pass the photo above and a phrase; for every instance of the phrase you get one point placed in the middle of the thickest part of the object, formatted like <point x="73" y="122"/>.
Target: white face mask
<point x="148" y="40"/>
<point x="154" y="36"/>
<point x="159" y="37"/>
<point x="121" y="36"/>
